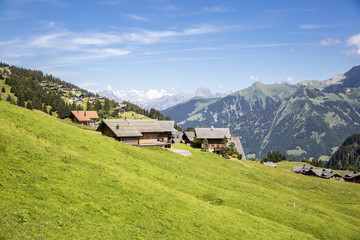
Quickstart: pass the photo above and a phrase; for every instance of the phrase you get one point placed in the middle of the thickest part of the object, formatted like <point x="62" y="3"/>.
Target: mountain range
<point x="308" y="119"/>
<point x="151" y="98"/>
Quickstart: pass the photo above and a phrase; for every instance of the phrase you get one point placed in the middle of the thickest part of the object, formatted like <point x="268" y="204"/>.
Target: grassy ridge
<point x="59" y="181"/>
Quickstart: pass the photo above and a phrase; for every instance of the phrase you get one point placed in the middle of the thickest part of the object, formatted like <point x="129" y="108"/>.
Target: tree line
<point x="25" y="85"/>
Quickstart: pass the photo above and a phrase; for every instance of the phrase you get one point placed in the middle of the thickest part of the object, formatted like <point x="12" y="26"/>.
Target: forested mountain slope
<point x="308" y="119"/>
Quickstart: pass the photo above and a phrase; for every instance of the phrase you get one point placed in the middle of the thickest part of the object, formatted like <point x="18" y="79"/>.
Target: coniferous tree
<point x="205" y="145"/>
<point x="107" y="105"/>
<point x="9" y="98"/>
<point x="44" y="108"/>
<point x="3" y="89"/>
<point x="20" y="101"/>
<point x="97" y="106"/>
<point x="29" y="105"/>
<point x="88" y="106"/>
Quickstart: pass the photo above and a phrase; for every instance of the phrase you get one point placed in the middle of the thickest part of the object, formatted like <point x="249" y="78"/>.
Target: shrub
<point x="234" y="156"/>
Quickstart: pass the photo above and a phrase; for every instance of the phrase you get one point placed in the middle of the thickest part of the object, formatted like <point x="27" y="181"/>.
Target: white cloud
<point x="353" y="41"/>
<point x="217" y="9"/>
<point x="10" y="42"/>
<point x="253" y="78"/>
<point x="136" y="17"/>
<point x="313" y="26"/>
<point x="71" y="40"/>
<point x="329" y="42"/>
<point x="287" y="77"/>
<point x="138" y="96"/>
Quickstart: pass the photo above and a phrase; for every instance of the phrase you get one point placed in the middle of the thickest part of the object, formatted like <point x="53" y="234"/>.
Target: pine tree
<point x="3" y="89"/>
<point x="29" y="105"/>
<point x="205" y="145"/>
<point x="97" y="106"/>
<point x="224" y="141"/>
<point x="88" y="106"/>
<point x="44" y="108"/>
<point x="20" y="101"/>
<point x="107" y="105"/>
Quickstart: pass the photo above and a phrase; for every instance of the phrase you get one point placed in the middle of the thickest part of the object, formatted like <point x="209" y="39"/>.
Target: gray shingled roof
<point x="167" y="126"/>
<point x="132" y="127"/>
<point x="212" y="133"/>
<point x="301" y="169"/>
<point x="239" y="148"/>
<point x="351" y="174"/>
<point x="145" y="125"/>
<point x="122" y="128"/>
<point x="190" y="135"/>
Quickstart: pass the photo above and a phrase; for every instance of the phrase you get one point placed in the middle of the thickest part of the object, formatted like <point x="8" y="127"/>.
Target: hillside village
<point x="103" y="151"/>
<point x="127" y="126"/>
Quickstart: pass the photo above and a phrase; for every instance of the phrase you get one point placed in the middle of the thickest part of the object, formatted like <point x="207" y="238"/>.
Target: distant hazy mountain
<point x="308" y="119"/>
<point x="148" y="101"/>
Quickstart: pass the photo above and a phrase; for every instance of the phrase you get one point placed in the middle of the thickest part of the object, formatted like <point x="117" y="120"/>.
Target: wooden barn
<point x="139" y="132"/>
<point x="214" y="136"/>
<point x="84" y="117"/>
<point x="121" y="109"/>
<point x="352" y="177"/>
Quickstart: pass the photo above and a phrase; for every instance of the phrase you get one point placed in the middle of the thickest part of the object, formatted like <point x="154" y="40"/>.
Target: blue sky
<point x="181" y="45"/>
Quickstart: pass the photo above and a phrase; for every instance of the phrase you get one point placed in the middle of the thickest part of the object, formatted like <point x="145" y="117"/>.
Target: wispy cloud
<point x="287" y="77"/>
<point x="329" y="42"/>
<point x="136" y="17"/>
<point x="14" y="41"/>
<point x="353" y="41"/>
<point x="253" y="78"/>
<point x="313" y="26"/>
<point x="217" y="9"/>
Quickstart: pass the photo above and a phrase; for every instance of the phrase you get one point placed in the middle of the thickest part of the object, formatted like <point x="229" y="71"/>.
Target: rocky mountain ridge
<point x="308" y="119"/>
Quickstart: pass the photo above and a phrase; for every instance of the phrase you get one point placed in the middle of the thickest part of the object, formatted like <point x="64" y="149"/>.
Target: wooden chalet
<point x="301" y="169"/>
<point x="166" y="136"/>
<point x="352" y="177"/>
<point x="139" y="132"/>
<point x="84" y="117"/>
<point x="214" y="136"/>
<point x="121" y="109"/>
<point x="326" y="173"/>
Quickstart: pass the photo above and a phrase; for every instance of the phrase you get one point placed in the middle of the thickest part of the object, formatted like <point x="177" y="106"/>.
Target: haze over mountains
<point x="157" y="99"/>
<point x="309" y="119"/>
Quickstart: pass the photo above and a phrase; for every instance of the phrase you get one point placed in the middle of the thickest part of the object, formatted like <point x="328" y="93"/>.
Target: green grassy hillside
<point x="59" y="181"/>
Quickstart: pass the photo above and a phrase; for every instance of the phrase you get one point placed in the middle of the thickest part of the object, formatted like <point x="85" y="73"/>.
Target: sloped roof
<point x="121" y="106"/>
<point x="351" y="174"/>
<point x="167" y="126"/>
<point x="85" y="116"/>
<point x="190" y="135"/>
<point x="271" y="164"/>
<point x="212" y="133"/>
<point x="301" y="169"/>
<point x="238" y="145"/>
<point x="121" y="128"/>
<point x="145" y="125"/>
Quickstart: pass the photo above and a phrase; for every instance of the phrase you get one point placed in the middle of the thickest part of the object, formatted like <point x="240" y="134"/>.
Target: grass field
<point x="59" y="181"/>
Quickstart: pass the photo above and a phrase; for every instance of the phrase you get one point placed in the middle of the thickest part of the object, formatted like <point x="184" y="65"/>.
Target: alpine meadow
<point x="170" y="119"/>
<point x="59" y="181"/>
